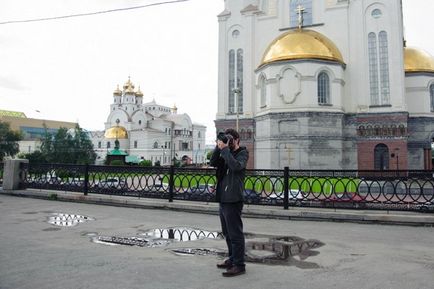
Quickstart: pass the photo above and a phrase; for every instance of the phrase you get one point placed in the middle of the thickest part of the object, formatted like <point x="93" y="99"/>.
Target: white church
<point x="325" y="84"/>
<point x="148" y="131"/>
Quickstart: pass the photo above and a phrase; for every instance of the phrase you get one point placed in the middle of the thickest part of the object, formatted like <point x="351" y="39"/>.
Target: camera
<point x="226" y="139"/>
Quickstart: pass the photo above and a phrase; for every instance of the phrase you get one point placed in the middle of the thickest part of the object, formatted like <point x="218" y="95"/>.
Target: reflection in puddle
<point x="266" y="249"/>
<point x="67" y="220"/>
<point x="198" y="251"/>
<point x="182" y="234"/>
<point x="159" y="237"/>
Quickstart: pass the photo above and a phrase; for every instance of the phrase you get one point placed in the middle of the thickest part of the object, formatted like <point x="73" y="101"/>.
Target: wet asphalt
<point x="37" y="253"/>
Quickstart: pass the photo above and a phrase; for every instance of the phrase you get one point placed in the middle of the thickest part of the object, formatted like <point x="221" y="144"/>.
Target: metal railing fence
<point x="398" y="190"/>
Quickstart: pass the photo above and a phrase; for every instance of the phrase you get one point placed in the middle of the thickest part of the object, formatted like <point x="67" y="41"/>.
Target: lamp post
<point x="237" y="91"/>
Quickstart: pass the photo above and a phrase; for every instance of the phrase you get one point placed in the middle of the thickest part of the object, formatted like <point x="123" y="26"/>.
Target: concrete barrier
<point x="12" y="174"/>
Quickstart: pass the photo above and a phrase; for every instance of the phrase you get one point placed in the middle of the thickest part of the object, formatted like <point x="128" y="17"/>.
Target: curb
<point x="253" y="211"/>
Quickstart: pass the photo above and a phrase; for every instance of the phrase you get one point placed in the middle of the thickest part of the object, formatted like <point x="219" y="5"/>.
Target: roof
<point x="12" y="113"/>
<point x="301" y="44"/>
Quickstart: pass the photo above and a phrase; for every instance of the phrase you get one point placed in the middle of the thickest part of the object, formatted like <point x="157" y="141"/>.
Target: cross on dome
<point x="300" y="11"/>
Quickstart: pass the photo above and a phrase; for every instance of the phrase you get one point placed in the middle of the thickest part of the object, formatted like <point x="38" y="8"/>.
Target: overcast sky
<point x="67" y="69"/>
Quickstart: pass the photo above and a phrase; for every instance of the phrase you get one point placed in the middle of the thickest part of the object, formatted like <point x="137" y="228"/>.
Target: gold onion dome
<point x="417" y="60"/>
<point x="128" y="84"/>
<point x="301" y="44"/>
<point x="139" y="92"/>
<point x="116" y="132"/>
<point x="117" y="91"/>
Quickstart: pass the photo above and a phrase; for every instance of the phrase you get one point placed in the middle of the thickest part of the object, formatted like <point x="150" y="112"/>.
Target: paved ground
<point x="37" y="255"/>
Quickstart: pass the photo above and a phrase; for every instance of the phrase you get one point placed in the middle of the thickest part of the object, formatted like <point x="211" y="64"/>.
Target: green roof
<point x="12" y="113"/>
<point x="132" y="159"/>
<point x="117" y="152"/>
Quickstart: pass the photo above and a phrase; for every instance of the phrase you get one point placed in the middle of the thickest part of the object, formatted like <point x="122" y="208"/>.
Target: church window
<point x="108" y="144"/>
<point x="99" y="144"/>
<point x="135" y="144"/>
<point x="384" y="67"/>
<point x="373" y="68"/>
<point x="263" y="91"/>
<point x="235" y="80"/>
<point x="376" y="13"/>
<point x="307" y="13"/>
<point x="323" y="88"/>
<point x="381" y="157"/>
<point x="231" y="81"/>
<point x="235" y="33"/>
<point x="140" y="122"/>
<point x="155" y="145"/>
<point x="431" y="91"/>
<point x="240" y="80"/>
<point x="379" y="68"/>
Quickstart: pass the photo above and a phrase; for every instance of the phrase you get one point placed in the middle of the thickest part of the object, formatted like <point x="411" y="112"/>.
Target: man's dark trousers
<point x="232" y="226"/>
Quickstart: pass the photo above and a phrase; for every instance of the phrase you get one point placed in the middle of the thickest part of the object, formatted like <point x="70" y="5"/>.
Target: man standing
<point x="230" y="160"/>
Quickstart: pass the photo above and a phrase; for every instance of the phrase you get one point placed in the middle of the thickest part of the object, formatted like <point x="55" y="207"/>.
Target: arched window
<point x="263" y="91"/>
<point x="231" y="81"/>
<point x="431" y="91"/>
<point x="240" y="80"/>
<point x="323" y="88"/>
<point x="155" y="145"/>
<point x="384" y="67"/>
<point x="381" y="157"/>
<point x="373" y="68"/>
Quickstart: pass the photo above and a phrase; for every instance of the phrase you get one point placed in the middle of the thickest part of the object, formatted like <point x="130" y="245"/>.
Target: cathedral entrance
<point x="381" y="157"/>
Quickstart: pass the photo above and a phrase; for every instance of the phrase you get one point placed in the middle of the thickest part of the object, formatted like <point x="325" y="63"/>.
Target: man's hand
<point x="221" y="145"/>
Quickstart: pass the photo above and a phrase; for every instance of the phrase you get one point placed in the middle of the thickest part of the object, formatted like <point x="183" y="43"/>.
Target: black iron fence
<point x="399" y="190"/>
<point x="1" y="173"/>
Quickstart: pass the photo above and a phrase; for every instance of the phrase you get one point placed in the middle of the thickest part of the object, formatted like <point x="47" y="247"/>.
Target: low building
<point x="149" y="131"/>
<point x="32" y="129"/>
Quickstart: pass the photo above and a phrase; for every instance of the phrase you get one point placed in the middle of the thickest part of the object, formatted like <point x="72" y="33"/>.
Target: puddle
<point x="51" y="229"/>
<point x="198" y="251"/>
<point x="67" y="220"/>
<point x="181" y="234"/>
<point x="159" y="237"/>
<point x="266" y="249"/>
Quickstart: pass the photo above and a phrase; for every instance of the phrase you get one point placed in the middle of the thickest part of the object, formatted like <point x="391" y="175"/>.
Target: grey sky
<point x="67" y="69"/>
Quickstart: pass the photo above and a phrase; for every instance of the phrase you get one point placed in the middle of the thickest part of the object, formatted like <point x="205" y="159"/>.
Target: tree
<point x="8" y="140"/>
<point x="70" y="147"/>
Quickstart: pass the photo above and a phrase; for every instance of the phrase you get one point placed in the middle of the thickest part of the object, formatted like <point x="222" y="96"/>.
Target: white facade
<point x="323" y="84"/>
<point x="149" y="131"/>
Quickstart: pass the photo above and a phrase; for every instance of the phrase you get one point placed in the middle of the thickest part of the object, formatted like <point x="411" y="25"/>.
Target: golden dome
<point x="139" y="92"/>
<point x="417" y="60"/>
<point x="116" y="132"/>
<point x="128" y="84"/>
<point x="117" y="91"/>
<point x="301" y="44"/>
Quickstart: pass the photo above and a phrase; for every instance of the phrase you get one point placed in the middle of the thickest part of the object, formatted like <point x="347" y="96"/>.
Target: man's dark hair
<point x="233" y="133"/>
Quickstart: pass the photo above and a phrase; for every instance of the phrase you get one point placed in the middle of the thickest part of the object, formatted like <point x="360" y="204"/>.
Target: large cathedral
<point x="139" y="130"/>
<point x="325" y="84"/>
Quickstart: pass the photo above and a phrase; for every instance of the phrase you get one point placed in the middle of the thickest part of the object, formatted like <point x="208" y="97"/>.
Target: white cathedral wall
<point x="293" y="87"/>
<point x="418" y="94"/>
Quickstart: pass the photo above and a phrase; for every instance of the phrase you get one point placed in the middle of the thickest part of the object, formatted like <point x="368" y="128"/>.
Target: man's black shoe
<point x="227" y="264"/>
<point x="234" y="271"/>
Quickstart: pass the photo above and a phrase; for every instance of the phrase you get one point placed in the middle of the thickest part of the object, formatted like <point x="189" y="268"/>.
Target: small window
<point x="140" y="122"/>
<point x="431" y="91"/>
<point x="376" y="13"/>
<point x="155" y="145"/>
<point x="323" y="88"/>
<point x="235" y="33"/>
<point x="108" y="144"/>
<point x="99" y="144"/>
<point x="135" y="144"/>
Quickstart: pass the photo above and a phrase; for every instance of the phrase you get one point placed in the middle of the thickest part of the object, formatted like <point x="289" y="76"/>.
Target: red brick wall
<point x="366" y="148"/>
